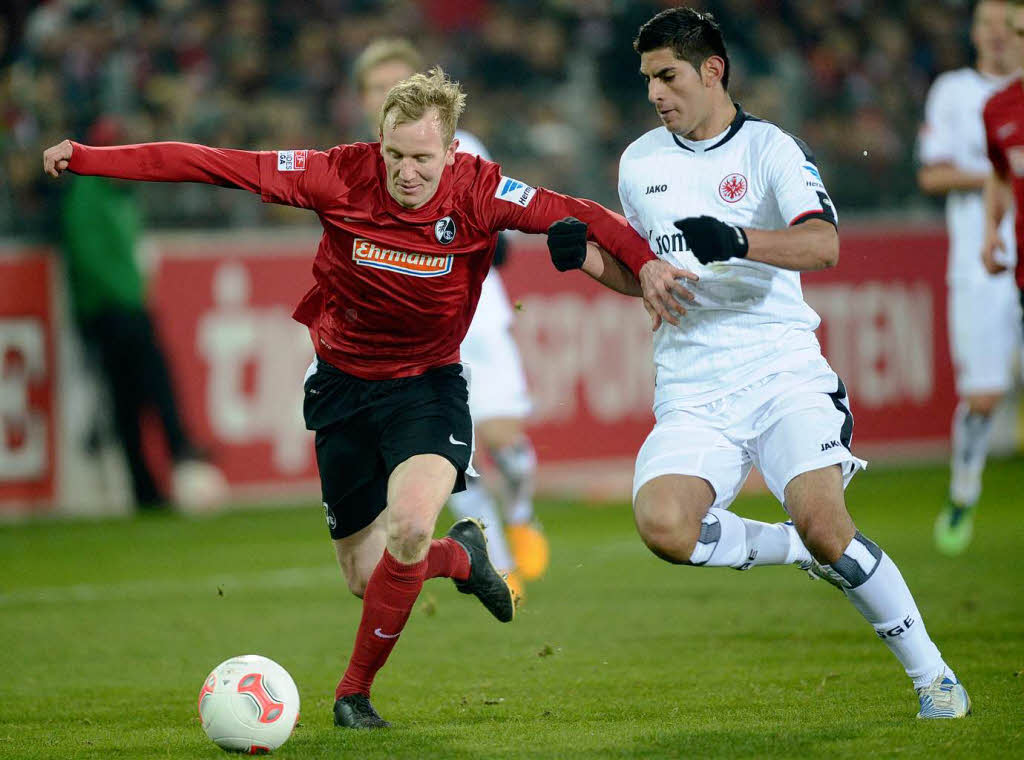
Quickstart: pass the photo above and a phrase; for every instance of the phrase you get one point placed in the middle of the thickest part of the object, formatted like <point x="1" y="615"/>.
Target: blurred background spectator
<point x="552" y="84"/>
<point x="100" y="229"/>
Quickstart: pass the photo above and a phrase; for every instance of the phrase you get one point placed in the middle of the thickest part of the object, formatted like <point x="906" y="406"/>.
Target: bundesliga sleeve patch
<point x="812" y="177"/>
<point x="291" y="160"/>
<point x="514" y="191"/>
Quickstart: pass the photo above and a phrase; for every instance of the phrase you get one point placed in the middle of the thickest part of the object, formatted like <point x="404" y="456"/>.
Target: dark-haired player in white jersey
<point x="984" y="324"/>
<point x="741" y="380"/>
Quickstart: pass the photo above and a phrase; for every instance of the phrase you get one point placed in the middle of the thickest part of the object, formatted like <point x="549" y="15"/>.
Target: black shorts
<point x="366" y="428"/>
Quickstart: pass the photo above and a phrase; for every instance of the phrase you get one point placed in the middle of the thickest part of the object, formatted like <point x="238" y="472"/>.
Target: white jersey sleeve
<point x="793" y="176"/>
<point x="937" y="139"/>
<point x="470" y="143"/>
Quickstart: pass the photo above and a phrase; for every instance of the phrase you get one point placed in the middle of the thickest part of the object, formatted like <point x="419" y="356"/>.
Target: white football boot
<point x="943" y="698"/>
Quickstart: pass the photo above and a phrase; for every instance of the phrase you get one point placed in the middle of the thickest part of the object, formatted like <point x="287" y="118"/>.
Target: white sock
<point x="970" y="449"/>
<point x="874" y="585"/>
<point x="518" y="465"/>
<point x="476" y="501"/>
<point x="728" y="540"/>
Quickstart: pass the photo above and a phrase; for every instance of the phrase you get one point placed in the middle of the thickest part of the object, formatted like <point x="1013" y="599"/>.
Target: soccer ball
<point x="249" y="704"/>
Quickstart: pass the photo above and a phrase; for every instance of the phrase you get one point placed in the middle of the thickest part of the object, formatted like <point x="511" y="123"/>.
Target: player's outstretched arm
<point x="157" y="162"/>
<point x="804" y="247"/>
<point x="660" y="284"/>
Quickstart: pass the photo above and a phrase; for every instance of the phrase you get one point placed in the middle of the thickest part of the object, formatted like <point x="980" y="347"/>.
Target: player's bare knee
<point x="824" y="537"/>
<point x="408" y="536"/>
<point x="984" y="404"/>
<point x="668" y="532"/>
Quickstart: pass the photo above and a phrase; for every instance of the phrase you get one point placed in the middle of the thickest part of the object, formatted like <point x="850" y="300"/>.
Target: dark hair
<point x="693" y="36"/>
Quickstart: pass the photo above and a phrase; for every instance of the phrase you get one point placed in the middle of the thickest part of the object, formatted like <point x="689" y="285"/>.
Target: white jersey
<point x="493" y="307"/>
<point x="953" y="132"/>
<point x="750" y="319"/>
<point x="498" y="387"/>
<point x="470" y="143"/>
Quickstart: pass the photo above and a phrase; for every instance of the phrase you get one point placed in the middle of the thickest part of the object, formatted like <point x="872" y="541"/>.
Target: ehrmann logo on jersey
<point x="366" y="253"/>
<point x="444" y="230"/>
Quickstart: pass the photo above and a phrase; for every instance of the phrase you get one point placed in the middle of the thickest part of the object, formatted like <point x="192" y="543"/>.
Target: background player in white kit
<point x="498" y="399"/>
<point x="741" y="380"/>
<point x="984" y="319"/>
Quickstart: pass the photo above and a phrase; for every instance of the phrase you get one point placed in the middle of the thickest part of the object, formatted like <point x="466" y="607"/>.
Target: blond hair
<point x="381" y="51"/>
<point x="411" y="98"/>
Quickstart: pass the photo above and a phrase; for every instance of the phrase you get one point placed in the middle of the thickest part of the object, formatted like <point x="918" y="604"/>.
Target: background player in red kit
<point x="409" y="232"/>
<point x="1004" y="132"/>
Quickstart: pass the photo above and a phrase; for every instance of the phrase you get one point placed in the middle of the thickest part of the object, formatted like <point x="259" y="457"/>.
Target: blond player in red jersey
<point x="409" y="232"/>
<point x="498" y="397"/>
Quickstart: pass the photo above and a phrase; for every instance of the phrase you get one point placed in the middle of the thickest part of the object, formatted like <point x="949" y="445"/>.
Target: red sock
<point x="447" y="559"/>
<point x="387" y="603"/>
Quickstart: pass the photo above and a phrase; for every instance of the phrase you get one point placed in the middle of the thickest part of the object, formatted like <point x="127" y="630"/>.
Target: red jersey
<point x="395" y="288"/>
<point x="1004" y="133"/>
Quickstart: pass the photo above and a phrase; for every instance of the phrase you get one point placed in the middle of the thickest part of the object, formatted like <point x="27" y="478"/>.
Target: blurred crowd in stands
<point x="553" y="85"/>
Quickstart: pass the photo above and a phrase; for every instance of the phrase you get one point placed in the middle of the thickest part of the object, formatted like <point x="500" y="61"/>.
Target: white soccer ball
<point x="249" y="704"/>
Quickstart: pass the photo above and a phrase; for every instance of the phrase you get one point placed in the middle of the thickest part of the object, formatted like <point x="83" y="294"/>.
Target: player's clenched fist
<point x="712" y="240"/>
<point x="56" y="159"/>
<point x="567" y="243"/>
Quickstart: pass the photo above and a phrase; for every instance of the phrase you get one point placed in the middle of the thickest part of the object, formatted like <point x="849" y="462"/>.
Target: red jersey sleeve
<point x="995" y="152"/>
<point x="510" y="204"/>
<point x="301" y="178"/>
<point x="169" y="162"/>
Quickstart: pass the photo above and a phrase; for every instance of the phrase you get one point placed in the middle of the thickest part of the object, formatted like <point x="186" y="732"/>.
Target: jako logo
<point x="656" y="189"/>
<point x="830" y="445"/>
<point x="366" y="253"/>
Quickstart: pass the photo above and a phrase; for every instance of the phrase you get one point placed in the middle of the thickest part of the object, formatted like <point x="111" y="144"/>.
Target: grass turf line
<point x="108" y="628"/>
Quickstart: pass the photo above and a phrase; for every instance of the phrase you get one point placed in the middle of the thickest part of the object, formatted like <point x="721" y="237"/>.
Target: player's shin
<point x="875" y="586"/>
<point x="728" y="540"/>
<point x="970" y="449"/>
<point x="476" y="502"/>
<point x="387" y="602"/>
<point x="518" y="465"/>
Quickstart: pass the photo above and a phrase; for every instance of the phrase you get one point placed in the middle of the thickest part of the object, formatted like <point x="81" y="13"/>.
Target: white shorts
<point x="786" y="424"/>
<point x="984" y="333"/>
<point x="499" y="383"/>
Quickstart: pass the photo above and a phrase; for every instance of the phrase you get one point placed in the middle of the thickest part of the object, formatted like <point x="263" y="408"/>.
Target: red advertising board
<point x="223" y="311"/>
<point x="27" y="380"/>
<point x="224" y="308"/>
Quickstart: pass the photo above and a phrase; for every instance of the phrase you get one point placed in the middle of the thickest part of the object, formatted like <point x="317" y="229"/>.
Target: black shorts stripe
<point x="842" y="405"/>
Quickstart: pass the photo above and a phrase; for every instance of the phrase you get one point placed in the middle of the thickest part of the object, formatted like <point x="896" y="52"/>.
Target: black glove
<point x="500" y="252"/>
<point x="567" y="242"/>
<point x="712" y="240"/>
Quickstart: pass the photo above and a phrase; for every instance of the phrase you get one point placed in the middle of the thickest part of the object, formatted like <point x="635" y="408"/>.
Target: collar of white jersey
<point x="703" y="146"/>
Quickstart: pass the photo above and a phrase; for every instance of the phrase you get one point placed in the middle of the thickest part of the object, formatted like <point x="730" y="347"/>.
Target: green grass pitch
<point x="108" y="628"/>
